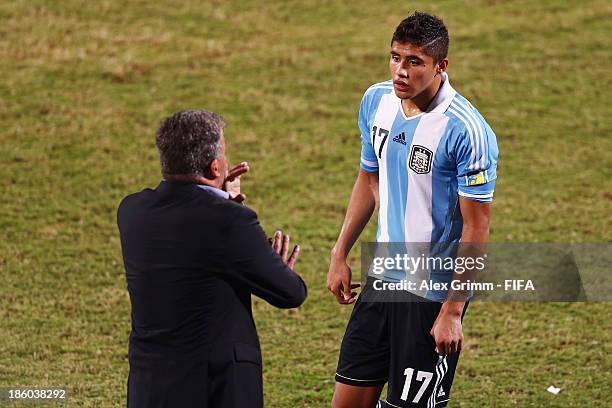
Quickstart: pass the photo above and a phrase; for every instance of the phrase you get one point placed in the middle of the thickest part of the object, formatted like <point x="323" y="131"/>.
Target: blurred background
<point x="84" y="86"/>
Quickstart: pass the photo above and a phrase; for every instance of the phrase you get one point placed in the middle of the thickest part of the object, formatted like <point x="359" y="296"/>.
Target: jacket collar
<point x="168" y="186"/>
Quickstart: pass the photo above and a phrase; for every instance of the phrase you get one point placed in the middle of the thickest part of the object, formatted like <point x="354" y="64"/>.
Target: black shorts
<point x="391" y="342"/>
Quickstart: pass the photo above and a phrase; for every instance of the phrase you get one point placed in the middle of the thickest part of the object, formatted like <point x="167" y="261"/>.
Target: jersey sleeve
<point x="476" y="157"/>
<point x="369" y="161"/>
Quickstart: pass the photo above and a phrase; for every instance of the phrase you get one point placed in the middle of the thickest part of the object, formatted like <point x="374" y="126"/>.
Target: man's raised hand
<point x="232" y="182"/>
<point x="280" y="245"/>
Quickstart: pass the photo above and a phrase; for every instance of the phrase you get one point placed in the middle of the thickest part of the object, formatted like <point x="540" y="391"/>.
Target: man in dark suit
<point x="193" y="256"/>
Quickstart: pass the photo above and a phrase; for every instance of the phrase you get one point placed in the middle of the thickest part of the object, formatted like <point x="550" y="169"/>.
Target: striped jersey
<point x="425" y="162"/>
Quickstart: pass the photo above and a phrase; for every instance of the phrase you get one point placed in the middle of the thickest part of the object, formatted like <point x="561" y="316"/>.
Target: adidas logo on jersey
<point x="401" y="138"/>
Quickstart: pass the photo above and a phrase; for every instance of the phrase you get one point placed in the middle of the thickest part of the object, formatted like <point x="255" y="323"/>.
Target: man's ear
<point x="214" y="169"/>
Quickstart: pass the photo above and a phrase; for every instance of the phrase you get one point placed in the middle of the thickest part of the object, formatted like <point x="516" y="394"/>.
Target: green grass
<point x="85" y="84"/>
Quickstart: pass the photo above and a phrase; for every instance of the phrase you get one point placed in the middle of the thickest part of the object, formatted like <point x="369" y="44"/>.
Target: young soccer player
<point x="428" y="161"/>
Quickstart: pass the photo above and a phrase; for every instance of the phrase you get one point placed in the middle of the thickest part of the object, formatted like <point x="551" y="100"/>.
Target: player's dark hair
<point x="426" y="31"/>
<point x="189" y="141"/>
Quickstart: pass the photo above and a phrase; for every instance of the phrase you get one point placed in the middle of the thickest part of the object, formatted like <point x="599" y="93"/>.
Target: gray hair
<point x="189" y="141"/>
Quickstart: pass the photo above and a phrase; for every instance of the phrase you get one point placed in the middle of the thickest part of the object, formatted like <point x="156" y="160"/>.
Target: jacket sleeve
<point x="254" y="263"/>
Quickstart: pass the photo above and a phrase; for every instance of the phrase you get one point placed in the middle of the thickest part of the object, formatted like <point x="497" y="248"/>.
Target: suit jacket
<point x="192" y="261"/>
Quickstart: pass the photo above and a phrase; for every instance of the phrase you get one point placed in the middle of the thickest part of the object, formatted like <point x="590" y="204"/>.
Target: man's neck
<point x="192" y="178"/>
<point x="421" y="102"/>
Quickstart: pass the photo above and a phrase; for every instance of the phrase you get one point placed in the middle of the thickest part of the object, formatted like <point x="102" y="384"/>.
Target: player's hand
<point x="339" y="281"/>
<point x="280" y="245"/>
<point x="447" y="332"/>
<point x="231" y="184"/>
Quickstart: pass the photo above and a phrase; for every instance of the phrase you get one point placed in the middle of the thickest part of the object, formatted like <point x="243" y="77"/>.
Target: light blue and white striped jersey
<point x="425" y="163"/>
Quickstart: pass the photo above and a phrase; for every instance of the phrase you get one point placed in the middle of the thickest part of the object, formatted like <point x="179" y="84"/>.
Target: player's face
<point x="412" y="70"/>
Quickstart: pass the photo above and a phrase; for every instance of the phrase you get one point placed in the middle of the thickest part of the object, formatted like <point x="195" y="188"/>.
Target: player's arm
<point x="361" y="206"/>
<point x="476" y="175"/>
<point x="447" y="329"/>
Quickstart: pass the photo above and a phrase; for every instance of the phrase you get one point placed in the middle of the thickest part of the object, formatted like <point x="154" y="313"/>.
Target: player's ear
<point x="442" y="65"/>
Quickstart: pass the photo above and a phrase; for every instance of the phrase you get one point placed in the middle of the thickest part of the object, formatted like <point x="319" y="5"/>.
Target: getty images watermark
<point x="401" y="271"/>
<point x="458" y="265"/>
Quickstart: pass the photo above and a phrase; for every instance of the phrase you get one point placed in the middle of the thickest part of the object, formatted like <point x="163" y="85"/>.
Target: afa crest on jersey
<point x="420" y="159"/>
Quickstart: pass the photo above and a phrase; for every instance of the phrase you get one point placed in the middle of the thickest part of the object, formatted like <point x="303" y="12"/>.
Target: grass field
<point x="85" y="84"/>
